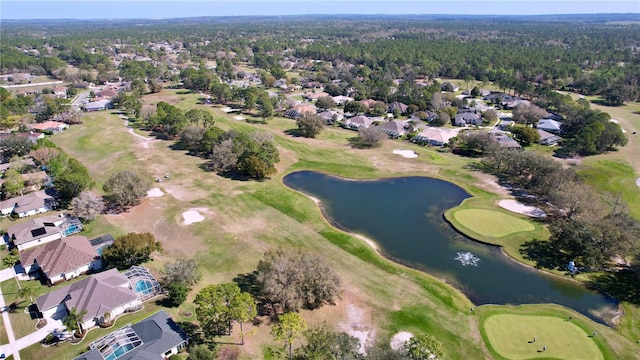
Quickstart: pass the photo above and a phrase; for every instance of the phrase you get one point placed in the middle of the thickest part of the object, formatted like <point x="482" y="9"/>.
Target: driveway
<point x="6" y="274"/>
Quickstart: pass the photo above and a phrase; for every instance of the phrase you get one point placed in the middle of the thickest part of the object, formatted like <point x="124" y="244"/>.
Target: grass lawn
<point x="511" y="336"/>
<point x="243" y="219"/>
<point x="491" y="223"/>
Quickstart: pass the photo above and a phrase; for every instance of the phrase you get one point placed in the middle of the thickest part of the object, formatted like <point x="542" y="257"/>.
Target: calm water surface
<point x="404" y="216"/>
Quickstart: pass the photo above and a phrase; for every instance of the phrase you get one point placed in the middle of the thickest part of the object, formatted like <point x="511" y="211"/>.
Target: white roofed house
<point x="463" y="119"/>
<point x="434" y="136"/>
<point x="547" y="138"/>
<point x="30" y="204"/>
<point x="331" y="117"/>
<point x="549" y="125"/>
<point x="341" y="99"/>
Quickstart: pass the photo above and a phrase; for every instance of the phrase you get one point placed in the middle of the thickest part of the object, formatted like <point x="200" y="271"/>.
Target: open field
<point x="242" y="219"/>
<point x="491" y="223"/>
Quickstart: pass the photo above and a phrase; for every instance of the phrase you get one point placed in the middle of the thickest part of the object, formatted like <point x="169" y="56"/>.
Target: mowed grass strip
<point x="511" y="336"/>
<point x="491" y="223"/>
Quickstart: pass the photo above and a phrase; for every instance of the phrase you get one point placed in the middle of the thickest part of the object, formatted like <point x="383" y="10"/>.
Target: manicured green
<point x="491" y="223"/>
<point x="512" y="336"/>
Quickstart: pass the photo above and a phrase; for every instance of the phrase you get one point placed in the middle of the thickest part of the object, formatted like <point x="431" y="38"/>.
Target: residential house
<point x="463" y="119"/>
<point x="98" y="294"/>
<point x="511" y="104"/>
<point x="31" y="136"/>
<point x="394" y="129"/>
<point x="299" y="110"/>
<point x="30" y="204"/>
<point x="547" y="138"/>
<point x="61" y="259"/>
<point x="357" y="122"/>
<point x="107" y="93"/>
<point x="549" y="125"/>
<point x="22" y="163"/>
<point x="506" y="142"/>
<point x="97" y="105"/>
<point x="434" y="136"/>
<point x="506" y="124"/>
<point x="35" y="181"/>
<point x="60" y="91"/>
<point x="368" y="103"/>
<point x="331" y="117"/>
<point x="53" y="126"/>
<point x="341" y="99"/>
<point x="155" y="337"/>
<point x="34" y="232"/>
<point x="398" y="105"/>
<point x="315" y="95"/>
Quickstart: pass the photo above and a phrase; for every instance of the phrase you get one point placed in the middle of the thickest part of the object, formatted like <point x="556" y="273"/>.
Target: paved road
<point x="32" y="84"/>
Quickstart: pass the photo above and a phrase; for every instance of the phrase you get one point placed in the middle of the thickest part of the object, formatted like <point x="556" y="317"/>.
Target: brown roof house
<point x="27" y="205"/>
<point x="61" y="259"/>
<point x="35" y="232"/>
<point x="98" y="294"/>
<point x="53" y="126"/>
<point x="357" y="122"/>
<point x="394" y="129"/>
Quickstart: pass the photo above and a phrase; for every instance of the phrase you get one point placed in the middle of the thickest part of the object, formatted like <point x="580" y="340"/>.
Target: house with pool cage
<point x="103" y="296"/>
<point x="42" y="230"/>
<point x="156" y="337"/>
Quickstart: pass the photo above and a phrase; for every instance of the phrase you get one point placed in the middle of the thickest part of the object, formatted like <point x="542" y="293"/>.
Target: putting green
<point x="511" y="336"/>
<point x="491" y="223"/>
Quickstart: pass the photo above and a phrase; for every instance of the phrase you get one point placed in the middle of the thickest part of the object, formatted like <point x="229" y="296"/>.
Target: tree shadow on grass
<point x="293" y="132"/>
<point x="541" y="253"/>
<point x="624" y="285"/>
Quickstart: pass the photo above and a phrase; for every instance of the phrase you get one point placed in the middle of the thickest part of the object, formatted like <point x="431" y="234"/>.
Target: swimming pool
<point x="143" y="287"/>
<point x="119" y="350"/>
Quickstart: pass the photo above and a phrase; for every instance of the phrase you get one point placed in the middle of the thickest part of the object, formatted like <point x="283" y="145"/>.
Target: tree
<point x="197" y="116"/>
<point x="181" y="271"/>
<point x="218" y="305"/>
<point x="73" y="321"/>
<point x="266" y="108"/>
<point x="13" y="183"/>
<point x="424" y="347"/>
<point x="87" y="206"/>
<point x="323" y="343"/>
<point x="526" y="135"/>
<point x="130" y="249"/>
<point x="10" y="260"/>
<point x="475" y="92"/>
<point x="27" y="292"/>
<point x="370" y="137"/>
<point x="325" y="102"/>
<point x="442" y="119"/>
<point x="528" y="114"/>
<point x="125" y="188"/>
<point x="44" y="155"/>
<point x="223" y="157"/>
<point x="72" y="180"/>
<point x="310" y="125"/>
<point x="177" y="294"/>
<point x="490" y="115"/>
<point x="288" y="329"/>
<point x="355" y="107"/>
<point x="14" y="145"/>
<point x="200" y="352"/>
<point x="191" y="140"/>
<point x="296" y="279"/>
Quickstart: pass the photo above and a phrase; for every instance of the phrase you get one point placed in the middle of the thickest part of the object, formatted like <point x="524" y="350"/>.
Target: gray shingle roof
<point x="60" y="256"/>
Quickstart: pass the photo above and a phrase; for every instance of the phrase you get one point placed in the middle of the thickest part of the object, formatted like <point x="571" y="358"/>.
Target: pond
<point x="404" y="216"/>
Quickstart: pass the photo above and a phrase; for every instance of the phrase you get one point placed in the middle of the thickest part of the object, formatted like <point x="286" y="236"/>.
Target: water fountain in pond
<point x="467" y="258"/>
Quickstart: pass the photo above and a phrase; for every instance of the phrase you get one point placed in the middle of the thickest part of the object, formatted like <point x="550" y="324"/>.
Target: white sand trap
<point x="398" y="340"/>
<point x="406" y="153"/>
<point x="638" y="181"/>
<point x="192" y="216"/>
<point x="155" y="192"/>
<point x="238" y="117"/>
<point x="355" y="327"/>
<point x="228" y="110"/>
<point x="520" y="208"/>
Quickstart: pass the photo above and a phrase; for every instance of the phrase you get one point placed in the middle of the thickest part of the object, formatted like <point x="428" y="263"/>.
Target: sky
<point x="97" y="9"/>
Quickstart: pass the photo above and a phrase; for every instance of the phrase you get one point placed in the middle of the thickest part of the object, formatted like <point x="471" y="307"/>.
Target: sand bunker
<point x="355" y="327"/>
<point x="228" y="110"/>
<point x="155" y="192"/>
<point x="520" y="208"/>
<point x="638" y="181"/>
<point x="192" y="216"/>
<point x="398" y="340"/>
<point x="238" y="117"/>
<point x="406" y="153"/>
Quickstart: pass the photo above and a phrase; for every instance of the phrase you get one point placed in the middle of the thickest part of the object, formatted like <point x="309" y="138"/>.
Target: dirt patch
<point x="358" y="325"/>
